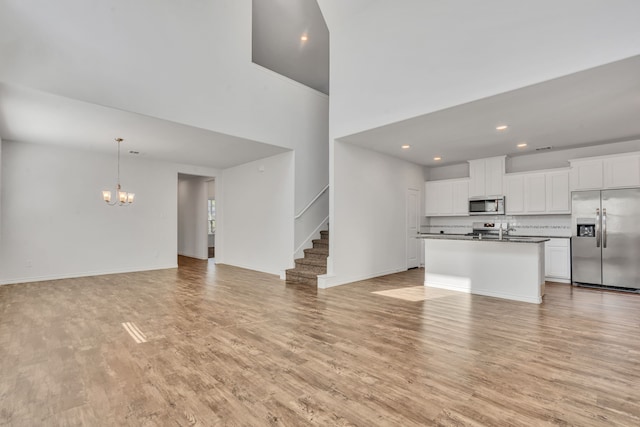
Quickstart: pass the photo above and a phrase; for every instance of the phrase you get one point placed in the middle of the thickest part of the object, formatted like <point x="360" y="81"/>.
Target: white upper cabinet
<point x="494" y="174"/>
<point x="486" y="176"/>
<point x="514" y="194"/>
<point x="537" y="193"/>
<point x="558" y="194"/>
<point x="596" y="173"/>
<point x="586" y="175"/>
<point x="621" y="171"/>
<point x="460" y="202"/>
<point x="477" y="178"/>
<point x="449" y="197"/>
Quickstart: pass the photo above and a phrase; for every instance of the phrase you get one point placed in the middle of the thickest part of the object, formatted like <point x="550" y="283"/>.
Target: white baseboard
<point x="250" y="267"/>
<point x="189" y="255"/>
<point x="555" y="279"/>
<point x="328" y="281"/>
<point x="82" y="274"/>
<point x="466" y="289"/>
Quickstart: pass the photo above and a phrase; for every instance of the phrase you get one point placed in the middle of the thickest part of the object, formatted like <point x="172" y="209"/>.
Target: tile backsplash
<point x="528" y="225"/>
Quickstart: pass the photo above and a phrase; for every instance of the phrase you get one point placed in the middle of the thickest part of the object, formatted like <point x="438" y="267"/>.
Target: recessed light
<point x="437" y="158"/>
<point x="501" y="127"/>
<point x="522" y="145"/>
<point x="304" y="38"/>
<point x="405" y="146"/>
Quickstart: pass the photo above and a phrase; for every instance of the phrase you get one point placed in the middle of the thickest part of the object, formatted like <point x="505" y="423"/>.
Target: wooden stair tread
<point x="302" y="273"/>
<point x="312" y="261"/>
<point x="313" y="264"/>
<point x="319" y="251"/>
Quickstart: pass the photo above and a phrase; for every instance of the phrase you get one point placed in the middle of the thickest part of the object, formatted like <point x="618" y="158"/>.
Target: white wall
<point x="1" y="196"/>
<point x="54" y="223"/>
<point x="211" y="189"/>
<point x="539" y="161"/>
<point x="255" y="214"/>
<point x="192" y="217"/>
<point x="196" y="69"/>
<point x="368" y="225"/>
<point x="393" y="60"/>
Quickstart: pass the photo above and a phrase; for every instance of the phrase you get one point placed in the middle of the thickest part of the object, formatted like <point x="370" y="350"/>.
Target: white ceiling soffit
<point x="31" y="116"/>
<point x="595" y="106"/>
<point x="277" y="28"/>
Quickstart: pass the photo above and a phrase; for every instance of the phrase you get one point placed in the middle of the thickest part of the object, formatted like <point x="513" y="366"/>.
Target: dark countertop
<point x="505" y="239"/>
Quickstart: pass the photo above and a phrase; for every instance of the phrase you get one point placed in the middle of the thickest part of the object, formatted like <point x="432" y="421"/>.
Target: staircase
<point x="313" y="264"/>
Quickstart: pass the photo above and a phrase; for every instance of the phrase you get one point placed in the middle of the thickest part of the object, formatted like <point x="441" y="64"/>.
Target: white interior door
<point x="413" y="224"/>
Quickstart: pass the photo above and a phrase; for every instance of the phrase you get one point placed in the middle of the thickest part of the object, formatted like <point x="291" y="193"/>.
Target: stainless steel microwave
<point x="486" y="205"/>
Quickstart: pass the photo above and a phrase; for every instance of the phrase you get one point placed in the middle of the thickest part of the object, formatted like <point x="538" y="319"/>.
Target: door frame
<point x="410" y="193"/>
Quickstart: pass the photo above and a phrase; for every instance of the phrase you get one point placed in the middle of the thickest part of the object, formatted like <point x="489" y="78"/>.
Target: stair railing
<point x="306" y="241"/>
<point x="306" y="208"/>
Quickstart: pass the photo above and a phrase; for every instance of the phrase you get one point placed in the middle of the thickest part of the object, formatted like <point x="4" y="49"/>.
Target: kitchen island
<point x="510" y="268"/>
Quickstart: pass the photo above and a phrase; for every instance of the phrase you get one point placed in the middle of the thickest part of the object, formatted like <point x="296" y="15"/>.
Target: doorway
<point x="413" y="225"/>
<point x="196" y="231"/>
<point x="211" y="218"/>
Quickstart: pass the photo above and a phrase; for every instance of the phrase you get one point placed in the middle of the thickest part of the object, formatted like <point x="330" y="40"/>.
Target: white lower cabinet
<point x="557" y="260"/>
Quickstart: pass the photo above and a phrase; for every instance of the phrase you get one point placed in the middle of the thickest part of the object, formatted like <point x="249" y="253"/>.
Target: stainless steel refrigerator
<point x="605" y="242"/>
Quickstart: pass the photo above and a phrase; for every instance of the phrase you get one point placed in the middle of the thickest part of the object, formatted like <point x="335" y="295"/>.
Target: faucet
<point x="502" y="231"/>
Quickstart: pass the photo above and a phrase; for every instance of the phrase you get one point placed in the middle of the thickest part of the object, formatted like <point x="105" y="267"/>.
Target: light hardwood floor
<point x="227" y="346"/>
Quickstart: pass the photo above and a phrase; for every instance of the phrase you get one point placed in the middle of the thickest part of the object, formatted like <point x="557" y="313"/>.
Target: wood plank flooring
<point x="231" y="347"/>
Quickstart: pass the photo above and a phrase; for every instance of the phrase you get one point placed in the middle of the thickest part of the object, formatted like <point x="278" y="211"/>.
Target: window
<point x="211" y="205"/>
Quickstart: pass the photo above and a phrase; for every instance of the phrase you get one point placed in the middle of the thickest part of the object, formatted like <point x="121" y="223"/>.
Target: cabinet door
<point x="494" y="174"/>
<point x="431" y="198"/>
<point x="621" y="172"/>
<point x="586" y="175"/>
<point x="514" y="194"/>
<point x="477" y="178"/>
<point x="445" y="198"/>
<point x="558" y="195"/>
<point x="557" y="259"/>
<point x="460" y="197"/>
<point x="438" y="198"/>
<point x="535" y="193"/>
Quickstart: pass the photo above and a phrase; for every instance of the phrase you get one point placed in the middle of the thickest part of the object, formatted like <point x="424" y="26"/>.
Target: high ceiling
<point x="591" y="107"/>
<point x="28" y="115"/>
<point x="595" y="106"/>
<point x="31" y="115"/>
<point x="277" y="28"/>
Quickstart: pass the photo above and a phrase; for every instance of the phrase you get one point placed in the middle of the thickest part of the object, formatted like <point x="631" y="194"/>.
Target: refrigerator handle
<point x="598" y="228"/>
<point x="604" y="227"/>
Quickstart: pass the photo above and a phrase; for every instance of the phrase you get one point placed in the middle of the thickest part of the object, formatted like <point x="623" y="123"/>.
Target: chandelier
<point x="122" y="197"/>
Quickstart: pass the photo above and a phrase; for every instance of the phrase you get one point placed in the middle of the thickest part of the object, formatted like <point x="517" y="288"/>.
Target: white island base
<point x="502" y="269"/>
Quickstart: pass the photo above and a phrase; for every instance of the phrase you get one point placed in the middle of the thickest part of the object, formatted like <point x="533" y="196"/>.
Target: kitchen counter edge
<point x="508" y="239"/>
